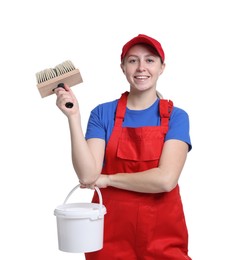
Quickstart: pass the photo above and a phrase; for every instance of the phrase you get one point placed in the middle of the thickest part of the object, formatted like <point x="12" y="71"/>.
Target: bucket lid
<point x="80" y="210"/>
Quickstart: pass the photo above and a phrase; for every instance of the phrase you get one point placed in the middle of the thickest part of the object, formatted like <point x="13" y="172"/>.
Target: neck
<point x="141" y="100"/>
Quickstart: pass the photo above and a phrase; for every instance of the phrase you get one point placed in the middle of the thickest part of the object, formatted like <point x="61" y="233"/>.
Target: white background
<point x="36" y="171"/>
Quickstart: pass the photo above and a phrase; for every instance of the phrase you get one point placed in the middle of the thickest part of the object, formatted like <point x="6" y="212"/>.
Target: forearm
<point x="82" y="158"/>
<point x="160" y="179"/>
<point x="150" y="181"/>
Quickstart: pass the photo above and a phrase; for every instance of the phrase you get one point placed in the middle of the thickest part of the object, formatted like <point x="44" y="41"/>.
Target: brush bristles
<point x="48" y="79"/>
<point x="50" y="73"/>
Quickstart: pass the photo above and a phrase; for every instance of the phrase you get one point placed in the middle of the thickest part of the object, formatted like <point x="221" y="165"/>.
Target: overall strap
<point x="165" y="109"/>
<point x="121" y="109"/>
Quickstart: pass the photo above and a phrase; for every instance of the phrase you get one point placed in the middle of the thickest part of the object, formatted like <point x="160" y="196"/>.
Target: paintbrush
<point x="50" y="79"/>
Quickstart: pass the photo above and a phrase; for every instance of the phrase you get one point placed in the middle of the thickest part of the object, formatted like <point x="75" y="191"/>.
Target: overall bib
<point x="140" y="226"/>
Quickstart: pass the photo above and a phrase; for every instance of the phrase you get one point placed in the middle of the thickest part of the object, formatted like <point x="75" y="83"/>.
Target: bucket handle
<point x="99" y="194"/>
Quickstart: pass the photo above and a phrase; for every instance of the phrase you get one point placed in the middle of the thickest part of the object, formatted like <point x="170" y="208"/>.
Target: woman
<point x="134" y="151"/>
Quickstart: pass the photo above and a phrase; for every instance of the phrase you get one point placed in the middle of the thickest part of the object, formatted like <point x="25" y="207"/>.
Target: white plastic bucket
<point x="80" y="225"/>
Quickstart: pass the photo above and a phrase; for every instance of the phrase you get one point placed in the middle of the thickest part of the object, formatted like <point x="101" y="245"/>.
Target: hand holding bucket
<point x="80" y="225"/>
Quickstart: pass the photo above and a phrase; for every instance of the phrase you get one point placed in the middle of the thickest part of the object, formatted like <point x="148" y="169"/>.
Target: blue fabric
<point x="101" y="121"/>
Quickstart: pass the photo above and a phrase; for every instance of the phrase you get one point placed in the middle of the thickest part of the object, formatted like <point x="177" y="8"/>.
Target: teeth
<point x="141" y="77"/>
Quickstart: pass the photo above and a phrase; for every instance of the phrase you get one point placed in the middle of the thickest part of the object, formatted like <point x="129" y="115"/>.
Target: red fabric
<point x="142" y="38"/>
<point x="140" y="226"/>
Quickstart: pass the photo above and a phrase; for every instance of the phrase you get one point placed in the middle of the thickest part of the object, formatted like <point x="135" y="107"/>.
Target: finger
<point x="64" y="101"/>
<point x="66" y="87"/>
<point x="61" y="86"/>
<point x="57" y="90"/>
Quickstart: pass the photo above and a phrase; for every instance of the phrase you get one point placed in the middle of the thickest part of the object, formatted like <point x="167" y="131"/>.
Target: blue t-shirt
<point x="101" y="121"/>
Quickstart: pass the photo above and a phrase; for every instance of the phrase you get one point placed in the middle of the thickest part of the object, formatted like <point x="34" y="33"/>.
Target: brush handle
<point x="68" y="104"/>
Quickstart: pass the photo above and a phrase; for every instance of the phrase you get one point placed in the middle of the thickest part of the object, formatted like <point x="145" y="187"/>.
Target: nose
<point x="141" y="66"/>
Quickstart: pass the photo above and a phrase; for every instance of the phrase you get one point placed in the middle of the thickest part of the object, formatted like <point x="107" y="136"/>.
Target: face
<point x="142" y="67"/>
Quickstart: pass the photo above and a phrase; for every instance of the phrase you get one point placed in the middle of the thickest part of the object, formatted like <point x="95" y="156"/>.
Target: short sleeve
<point x="179" y="127"/>
<point x="95" y="128"/>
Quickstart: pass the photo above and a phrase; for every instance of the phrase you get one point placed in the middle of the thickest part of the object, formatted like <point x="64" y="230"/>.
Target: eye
<point x="150" y="60"/>
<point x="132" y="60"/>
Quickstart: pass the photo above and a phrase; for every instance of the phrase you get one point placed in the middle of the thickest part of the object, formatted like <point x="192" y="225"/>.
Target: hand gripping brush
<point x="64" y="73"/>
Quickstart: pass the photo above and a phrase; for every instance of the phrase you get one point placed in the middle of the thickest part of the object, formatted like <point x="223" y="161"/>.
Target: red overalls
<point x="140" y="226"/>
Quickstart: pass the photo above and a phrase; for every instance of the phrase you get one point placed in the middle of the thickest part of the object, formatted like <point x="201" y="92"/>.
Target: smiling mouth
<point x="141" y="77"/>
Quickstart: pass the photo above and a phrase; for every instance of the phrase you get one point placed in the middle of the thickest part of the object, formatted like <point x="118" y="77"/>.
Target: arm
<point x="161" y="179"/>
<point x="87" y="156"/>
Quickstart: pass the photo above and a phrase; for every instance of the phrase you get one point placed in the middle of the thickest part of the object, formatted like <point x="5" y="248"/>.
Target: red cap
<point x="141" y="38"/>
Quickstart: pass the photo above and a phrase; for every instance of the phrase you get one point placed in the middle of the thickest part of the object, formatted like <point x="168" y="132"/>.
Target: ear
<point x="162" y="68"/>
<point x="122" y="67"/>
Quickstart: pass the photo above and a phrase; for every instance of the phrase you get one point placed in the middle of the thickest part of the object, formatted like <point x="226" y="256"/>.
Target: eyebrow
<point x="148" y="55"/>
